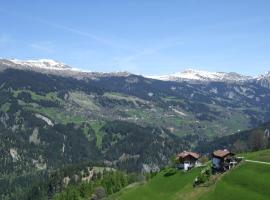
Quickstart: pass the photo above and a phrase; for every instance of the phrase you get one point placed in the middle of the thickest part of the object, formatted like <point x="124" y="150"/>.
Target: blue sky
<point x="149" y="37"/>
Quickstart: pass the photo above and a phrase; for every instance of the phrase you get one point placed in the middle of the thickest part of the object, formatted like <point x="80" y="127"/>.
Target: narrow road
<point x="260" y="162"/>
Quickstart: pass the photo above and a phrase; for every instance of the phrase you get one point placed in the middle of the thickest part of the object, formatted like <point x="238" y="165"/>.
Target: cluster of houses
<point x="222" y="160"/>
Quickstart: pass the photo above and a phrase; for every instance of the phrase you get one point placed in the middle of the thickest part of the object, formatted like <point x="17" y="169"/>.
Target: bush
<point x="203" y="177"/>
<point x="99" y="193"/>
<point x="203" y="159"/>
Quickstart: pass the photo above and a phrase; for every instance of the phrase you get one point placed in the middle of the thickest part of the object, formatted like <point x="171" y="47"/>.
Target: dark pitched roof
<point x="222" y="153"/>
<point x="188" y="153"/>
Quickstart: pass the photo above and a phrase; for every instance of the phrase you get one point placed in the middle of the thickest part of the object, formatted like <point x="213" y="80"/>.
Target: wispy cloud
<point x="91" y="36"/>
<point x="129" y="56"/>
<point x="123" y="60"/>
<point x="94" y="37"/>
<point x="44" y="46"/>
<point x="131" y="59"/>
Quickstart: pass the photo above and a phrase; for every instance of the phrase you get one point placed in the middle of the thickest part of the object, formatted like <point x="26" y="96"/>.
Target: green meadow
<point x="248" y="181"/>
<point x="263" y="155"/>
<point x="160" y="187"/>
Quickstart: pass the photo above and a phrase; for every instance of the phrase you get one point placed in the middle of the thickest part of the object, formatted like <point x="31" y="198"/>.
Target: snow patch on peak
<point x="264" y="79"/>
<point x="263" y="76"/>
<point x="200" y="75"/>
<point x="197" y="74"/>
<point x="42" y="63"/>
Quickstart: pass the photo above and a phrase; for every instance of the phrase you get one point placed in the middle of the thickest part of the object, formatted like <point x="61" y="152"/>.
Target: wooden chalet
<point x="223" y="160"/>
<point x="188" y="160"/>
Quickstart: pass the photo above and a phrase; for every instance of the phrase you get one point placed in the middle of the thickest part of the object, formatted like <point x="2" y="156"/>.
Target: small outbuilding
<point x="223" y="160"/>
<point x="188" y="160"/>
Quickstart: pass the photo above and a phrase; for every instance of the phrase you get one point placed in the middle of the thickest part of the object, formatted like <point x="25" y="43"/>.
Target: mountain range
<point x="189" y="75"/>
<point x="52" y="116"/>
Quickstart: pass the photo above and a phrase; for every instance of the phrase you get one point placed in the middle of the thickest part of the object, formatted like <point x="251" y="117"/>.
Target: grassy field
<point x="96" y="126"/>
<point x="249" y="181"/>
<point x="263" y="155"/>
<point x="161" y="187"/>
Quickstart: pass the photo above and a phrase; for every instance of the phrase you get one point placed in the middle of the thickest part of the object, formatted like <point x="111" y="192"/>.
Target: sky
<point x="148" y="37"/>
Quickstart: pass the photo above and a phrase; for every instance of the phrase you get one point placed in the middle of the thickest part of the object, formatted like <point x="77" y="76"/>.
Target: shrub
<point x="203" y="177"/>
<point x="204" y="159"/>
<point x="99" y="193"/>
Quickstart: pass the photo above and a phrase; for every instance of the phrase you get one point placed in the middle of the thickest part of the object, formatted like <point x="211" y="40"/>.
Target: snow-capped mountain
<point x="45" y="66"/>
<point x="40" y="63"/>
<point x="264" y="80"/>
<point x="190" y="75"/>
<point x="200" y="75"/>
<point x="48" y="66"/>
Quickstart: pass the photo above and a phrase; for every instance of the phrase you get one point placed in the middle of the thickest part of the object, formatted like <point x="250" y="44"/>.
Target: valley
<point x="134" y="100"/>
<point x="51" y="121"/>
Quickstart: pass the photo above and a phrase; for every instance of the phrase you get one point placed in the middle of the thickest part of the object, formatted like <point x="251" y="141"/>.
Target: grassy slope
<point x="247" y="181"/>
<point x="263" y="155"/>
<point x="97" y="125"/>
<point x="160" y="187"/>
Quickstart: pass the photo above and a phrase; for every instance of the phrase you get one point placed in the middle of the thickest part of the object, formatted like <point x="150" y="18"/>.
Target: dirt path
<point x="260" y="162"/>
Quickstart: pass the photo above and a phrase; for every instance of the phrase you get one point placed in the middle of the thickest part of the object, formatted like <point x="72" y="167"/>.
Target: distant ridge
<point x="49" y="66"/>
<point x="200" y="75"/>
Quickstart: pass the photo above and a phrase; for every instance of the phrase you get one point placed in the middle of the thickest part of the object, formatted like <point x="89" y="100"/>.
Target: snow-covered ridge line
<point x="200" y="75"/>
<point x="46" y="64"/>
<point x="41" y="63"/>
<point x="190" y="75"/>
<point x="53" y="67"/>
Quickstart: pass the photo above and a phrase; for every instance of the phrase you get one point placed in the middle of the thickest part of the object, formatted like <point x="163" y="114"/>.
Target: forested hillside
<point x="249" y="140"/>
<point x="123" y="121"/>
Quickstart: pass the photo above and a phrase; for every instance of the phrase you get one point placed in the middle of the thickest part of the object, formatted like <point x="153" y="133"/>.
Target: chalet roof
<point x="222" y="153"/>
<point x="188" y="153"/>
